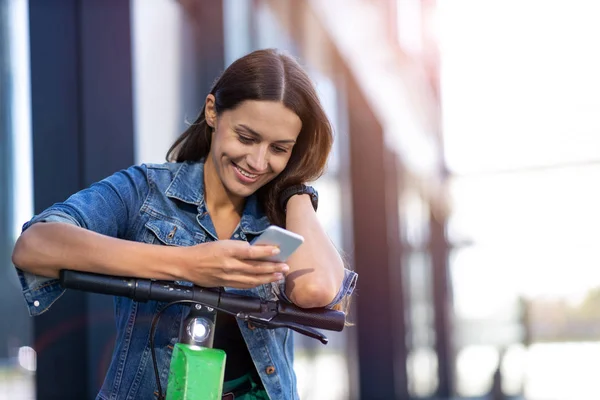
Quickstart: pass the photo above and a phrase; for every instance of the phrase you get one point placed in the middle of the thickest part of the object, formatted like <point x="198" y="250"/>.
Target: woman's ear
<point x="210" y="111"/>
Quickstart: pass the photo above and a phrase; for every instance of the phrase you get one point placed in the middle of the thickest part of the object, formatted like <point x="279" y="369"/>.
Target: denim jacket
<point x="164" y="204"/>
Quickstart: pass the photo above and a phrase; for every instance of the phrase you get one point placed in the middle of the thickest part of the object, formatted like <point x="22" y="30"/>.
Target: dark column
<point x="439" y="247"/>
<point x="82" y="129"/>
<point x="442" y="301"/>
<point x="381" y="326"/>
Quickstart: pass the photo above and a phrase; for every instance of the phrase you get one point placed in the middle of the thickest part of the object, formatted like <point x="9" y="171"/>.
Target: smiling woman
<point x="265" y="97"/>
<point x="240" y="167"/>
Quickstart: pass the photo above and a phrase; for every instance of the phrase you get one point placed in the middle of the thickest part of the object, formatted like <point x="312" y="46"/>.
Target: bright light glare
<point x="513" y="98"/>
<point x="21" y="114"/>
<point x="520" y="99"/>
<point x="520" y="82"/>
<point x="479" y="362"/>
<point x="27" y="358"/>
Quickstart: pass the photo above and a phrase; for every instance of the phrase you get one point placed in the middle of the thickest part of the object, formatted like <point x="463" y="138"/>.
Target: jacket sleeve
<point x="107" y="207"/>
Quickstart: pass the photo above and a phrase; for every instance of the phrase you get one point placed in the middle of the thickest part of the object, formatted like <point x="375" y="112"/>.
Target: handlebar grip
<point x="144" y="290"/>
<point x="138" y="289"/>
<point x="320" y="318"/>
<point x="95" y="283"/>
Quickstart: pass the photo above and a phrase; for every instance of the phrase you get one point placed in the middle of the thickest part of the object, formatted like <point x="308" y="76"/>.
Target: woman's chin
<point x="241" y="190"/>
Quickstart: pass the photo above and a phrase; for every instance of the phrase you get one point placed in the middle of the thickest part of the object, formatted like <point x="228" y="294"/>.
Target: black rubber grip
<point x="319" y="318"/>
<point x="135" y="288"/>
<point x="95" y="283"/>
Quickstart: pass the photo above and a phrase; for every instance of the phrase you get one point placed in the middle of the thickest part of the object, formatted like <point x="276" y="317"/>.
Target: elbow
<point x="29" y="254"/>
<point x="313" y="295"/>
<point x="22" y="252"/>
<point x="18" y="254"/>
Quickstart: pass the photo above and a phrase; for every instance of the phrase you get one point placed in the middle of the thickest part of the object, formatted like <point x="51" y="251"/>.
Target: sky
<point x="520" y="100"/>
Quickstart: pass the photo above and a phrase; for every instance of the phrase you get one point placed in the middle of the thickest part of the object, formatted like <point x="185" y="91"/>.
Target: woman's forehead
<point x="266" y="118"/>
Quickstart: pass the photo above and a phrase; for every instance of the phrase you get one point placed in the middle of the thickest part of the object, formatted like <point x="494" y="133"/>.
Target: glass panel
<point x="269" y="31"/>
<point x="421" y="370"/>
<point x="163" y="76"/>
<point x="414" y="218"/>
<point x="475" y="367"/>
<point x="532" y="259"/>
<point x="422" y="362"/>
<point x="17" y="358"/>
<point x="422" y="359"/>
<point x="327" y="92"/>
<point x="521" y="126"/>
<point x="237" y="16"/>
<point x="521" y="209"/>
<point x="421" y="304"/>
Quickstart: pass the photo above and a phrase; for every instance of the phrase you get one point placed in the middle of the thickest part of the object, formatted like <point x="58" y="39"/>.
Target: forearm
<point x="46" y="248"/>
<point x="316" y="268"/>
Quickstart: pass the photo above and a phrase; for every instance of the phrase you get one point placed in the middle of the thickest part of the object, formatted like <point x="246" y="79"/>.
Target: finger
<point x="255" y="267"/>
<point x="260" y="251"/>
<point x="262" y="267"/>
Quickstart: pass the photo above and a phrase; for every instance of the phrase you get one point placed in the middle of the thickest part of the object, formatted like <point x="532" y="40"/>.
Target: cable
<point x="153" y="330"/>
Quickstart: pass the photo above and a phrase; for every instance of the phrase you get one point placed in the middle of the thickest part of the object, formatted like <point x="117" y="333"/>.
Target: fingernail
<point x="279" y="276"/>
<point x="285" y="267"/>
<point x="276" y="250"/>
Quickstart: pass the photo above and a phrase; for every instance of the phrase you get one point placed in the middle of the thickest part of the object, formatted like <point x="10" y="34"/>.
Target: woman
<point x="240" y="167"/>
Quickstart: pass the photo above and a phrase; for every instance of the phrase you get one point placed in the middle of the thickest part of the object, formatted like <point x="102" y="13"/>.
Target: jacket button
<point x="251" y="326"/>
<point x="270" y="370"/>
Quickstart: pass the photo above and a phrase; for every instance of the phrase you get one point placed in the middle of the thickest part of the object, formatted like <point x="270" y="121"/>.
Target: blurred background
<point x="460" y="188"/>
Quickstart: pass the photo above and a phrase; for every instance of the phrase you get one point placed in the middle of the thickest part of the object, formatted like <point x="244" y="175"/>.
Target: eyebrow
<point x="253" y="132"/>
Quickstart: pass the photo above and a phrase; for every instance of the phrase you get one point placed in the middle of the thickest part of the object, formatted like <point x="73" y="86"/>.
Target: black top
<point x="229" y="338"/>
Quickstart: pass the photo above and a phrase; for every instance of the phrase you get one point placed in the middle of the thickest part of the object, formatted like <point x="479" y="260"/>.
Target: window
<point x="521" y="135"/>
<point x="15" y="196"/>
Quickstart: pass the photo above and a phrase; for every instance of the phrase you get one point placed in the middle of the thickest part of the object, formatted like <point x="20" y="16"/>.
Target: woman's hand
<point x="231" y="263"/>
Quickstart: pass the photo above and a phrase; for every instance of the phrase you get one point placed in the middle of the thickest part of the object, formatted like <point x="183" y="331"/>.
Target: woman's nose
<point x="258" y="159"/>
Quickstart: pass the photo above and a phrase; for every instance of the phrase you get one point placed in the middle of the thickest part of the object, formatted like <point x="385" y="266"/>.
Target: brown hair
<point x="271" y="76"/>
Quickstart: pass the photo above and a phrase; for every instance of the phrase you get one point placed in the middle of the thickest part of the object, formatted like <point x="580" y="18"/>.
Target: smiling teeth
<point x="247" y="175"/>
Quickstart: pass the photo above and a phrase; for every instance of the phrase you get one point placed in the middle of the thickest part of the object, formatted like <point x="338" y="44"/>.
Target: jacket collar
<point x="188" y="186"/>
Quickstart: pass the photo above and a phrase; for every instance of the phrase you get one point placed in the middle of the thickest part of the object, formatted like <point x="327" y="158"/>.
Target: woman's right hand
<point x="231" y="263"/>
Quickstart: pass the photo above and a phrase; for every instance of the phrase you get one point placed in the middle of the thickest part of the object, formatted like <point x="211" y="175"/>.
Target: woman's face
<point x="251" y="144"/>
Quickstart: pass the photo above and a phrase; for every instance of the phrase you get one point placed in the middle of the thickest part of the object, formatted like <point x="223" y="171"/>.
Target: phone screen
<point x="287" y="242"/>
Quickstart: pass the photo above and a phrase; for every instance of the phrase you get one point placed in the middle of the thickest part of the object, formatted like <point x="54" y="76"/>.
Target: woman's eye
<point x="278" y="149"/>
<point x="245" y="139"/>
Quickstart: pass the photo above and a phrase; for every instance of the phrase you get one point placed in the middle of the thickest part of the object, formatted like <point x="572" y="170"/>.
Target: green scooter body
<point x="196" y="373"/>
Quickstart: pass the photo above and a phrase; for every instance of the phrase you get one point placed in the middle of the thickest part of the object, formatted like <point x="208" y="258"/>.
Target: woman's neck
<point x="218" y="200"/>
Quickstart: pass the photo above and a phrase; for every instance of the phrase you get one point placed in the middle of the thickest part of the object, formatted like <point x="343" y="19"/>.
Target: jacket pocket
<point x="171" y="233"/>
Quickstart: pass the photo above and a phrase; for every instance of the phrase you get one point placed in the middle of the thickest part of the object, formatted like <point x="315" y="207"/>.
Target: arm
<point x="46" y="248"/>
<point x="316" y="268"/>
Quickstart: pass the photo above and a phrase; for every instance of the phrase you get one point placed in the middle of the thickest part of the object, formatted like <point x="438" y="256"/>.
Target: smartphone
<point x="287" y="242"/>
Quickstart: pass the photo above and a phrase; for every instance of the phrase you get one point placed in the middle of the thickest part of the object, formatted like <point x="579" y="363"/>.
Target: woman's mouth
<point x="243" y="175"/>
